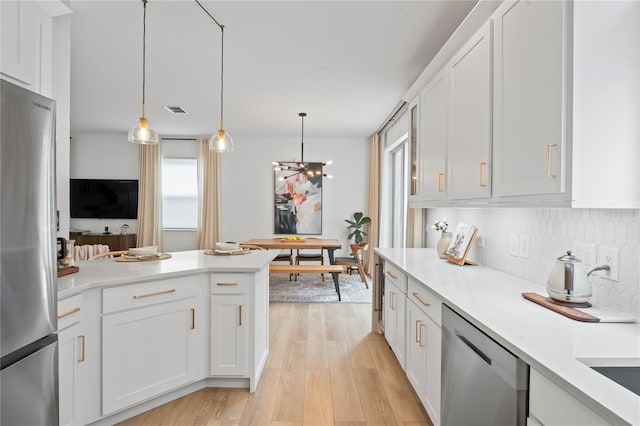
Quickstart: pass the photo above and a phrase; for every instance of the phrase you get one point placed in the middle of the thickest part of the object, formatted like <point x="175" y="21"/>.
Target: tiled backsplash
<point x="553" y="231"/>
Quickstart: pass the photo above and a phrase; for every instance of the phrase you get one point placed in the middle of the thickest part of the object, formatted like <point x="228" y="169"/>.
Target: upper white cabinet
<point x="27" y="42"/>
<point x="432" y="141"/>
<point x="470" y="127"/>
<point x="529" y="143"/>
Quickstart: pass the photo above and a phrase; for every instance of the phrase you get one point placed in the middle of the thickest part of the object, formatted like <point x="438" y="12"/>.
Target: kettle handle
<point x="568" y="277"/>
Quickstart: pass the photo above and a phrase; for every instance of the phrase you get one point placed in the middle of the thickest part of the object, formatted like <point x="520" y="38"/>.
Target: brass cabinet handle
<point x="391" y="275"/>
<point x="227" y="284"/>
<point x="421" y="342"/>
<point x="240" y="314"/>
<point x="483" y="167"/>
<point x="393" y="297"/>
<point x="418" y="322"/>
<point x="193" y="318"/>
<point x="141" y="296"/>
<point x="82" y="345"/>
<point x="417" y="296"/>
<point x="71" y="312"/>
<point x="549" y="146"/>
<point x="440" y="176"/>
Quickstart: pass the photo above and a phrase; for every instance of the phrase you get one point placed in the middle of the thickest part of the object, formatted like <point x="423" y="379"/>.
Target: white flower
<point x="441" y="225"/>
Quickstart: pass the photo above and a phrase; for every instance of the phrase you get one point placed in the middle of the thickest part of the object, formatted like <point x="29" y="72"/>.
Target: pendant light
<point x="141" y="133"/>
<point x="220" y="141"/>
<point x="299" y="167"/>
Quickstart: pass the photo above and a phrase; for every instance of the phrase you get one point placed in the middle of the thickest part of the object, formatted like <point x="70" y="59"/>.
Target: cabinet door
<point x="432" y="140"/>
<point x="394" y="325"/>
<point x="432" y="336"/>
<point x="529" y="98"/>
<point x="146" y="352"/>
<point x="470" y="114"/>
<point x="416" y="367"/>
<point x="230" y="322"/>
<point x="71" y="353"/>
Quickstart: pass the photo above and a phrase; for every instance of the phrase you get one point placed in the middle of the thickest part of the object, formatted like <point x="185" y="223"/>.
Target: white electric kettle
<point x="569" y="282"/>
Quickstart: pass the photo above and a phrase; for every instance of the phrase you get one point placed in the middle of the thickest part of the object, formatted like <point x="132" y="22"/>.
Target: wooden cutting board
<point x="161" y="256"/>
<point x="562" y="310"/>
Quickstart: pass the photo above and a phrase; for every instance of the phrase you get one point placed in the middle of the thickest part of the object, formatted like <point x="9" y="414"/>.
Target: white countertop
<point x="107" y="272"/>
<point x="546" y="340"/>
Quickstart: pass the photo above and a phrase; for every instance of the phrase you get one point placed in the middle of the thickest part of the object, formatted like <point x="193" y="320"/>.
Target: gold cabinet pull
<point x="141" y="296"/>
<point x="193" y="318"/>
<point x="82" y="345"/>
<point x="418" y="322"/>
<point x="227" y="284"/>
<point x="71" y="312"/>
<point x="392" y="297"/>
<point x="483" y="167"/>
<point x="417" y="296"/>
<point x="440" y="176"/>
<point x="421" y="342"/>
<point x="240" y="314"/>
<point x="391" y="275"/>
<point x="549" y="146"/>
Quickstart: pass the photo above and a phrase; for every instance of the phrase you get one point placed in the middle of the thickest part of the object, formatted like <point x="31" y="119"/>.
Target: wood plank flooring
<point x="325" y="367"/>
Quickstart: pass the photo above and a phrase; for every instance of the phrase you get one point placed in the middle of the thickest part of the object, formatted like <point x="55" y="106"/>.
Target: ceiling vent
<point x="175" y="109"/>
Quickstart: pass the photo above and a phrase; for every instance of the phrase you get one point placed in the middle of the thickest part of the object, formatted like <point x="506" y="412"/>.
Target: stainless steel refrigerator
<point x="29" y="340"/>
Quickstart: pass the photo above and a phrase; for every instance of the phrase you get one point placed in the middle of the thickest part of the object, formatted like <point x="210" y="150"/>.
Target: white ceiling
<point x="345" y="63"/>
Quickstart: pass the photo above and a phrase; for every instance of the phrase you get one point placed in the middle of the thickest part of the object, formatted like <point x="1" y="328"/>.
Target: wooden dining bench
<point x="309" y="269"/>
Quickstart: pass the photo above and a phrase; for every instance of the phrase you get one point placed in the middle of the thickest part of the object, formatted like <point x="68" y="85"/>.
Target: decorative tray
<point x="214" y="252"/>
<point x="284" y="240"/>
<point x="141" y="258"/>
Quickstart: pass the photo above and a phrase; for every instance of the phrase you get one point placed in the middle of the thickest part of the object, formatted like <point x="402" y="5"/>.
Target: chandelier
<point x="300" y="167"/>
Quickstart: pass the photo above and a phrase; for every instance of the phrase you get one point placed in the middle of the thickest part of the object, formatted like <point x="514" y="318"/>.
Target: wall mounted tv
<point x="104" y="199"/>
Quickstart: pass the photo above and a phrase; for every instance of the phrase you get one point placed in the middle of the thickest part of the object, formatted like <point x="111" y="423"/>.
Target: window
<point x="179" y="193"/>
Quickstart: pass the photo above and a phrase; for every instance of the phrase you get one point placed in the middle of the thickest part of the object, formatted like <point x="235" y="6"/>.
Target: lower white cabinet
<point x="147" y="351"/>
<point x="230" y="322"/>
<point x="71" y="359"/>
<point x="394" y="319"/>
<point x="424" y="349"/>
<point x="552" y="406"/>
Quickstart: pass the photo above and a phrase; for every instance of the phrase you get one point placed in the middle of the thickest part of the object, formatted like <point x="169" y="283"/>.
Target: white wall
<point x="552" y="232"/>
<point x="247" y="189"/>
<point x="247" y="182"/>
<point x="103" y="156"/>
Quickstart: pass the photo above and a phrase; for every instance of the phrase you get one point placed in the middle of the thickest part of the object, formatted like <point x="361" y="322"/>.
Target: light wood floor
<point x="325" y="367"/>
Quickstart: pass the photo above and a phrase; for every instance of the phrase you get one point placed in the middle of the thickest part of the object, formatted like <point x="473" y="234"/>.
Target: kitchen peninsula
<point x="134" y="335"/>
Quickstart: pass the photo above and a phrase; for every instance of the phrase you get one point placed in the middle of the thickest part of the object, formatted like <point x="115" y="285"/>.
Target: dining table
<point x="279" y="243"/>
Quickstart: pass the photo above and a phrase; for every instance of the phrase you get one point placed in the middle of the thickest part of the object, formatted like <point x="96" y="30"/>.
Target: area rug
<point x="310" y="288"/>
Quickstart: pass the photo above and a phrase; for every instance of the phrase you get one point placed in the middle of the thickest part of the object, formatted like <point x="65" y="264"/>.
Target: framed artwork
<point x="298" y="201"/>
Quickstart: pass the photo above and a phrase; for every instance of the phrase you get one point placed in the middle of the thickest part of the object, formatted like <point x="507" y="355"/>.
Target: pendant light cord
<point x="144" y="51"/>
<point x="221" y="64"/>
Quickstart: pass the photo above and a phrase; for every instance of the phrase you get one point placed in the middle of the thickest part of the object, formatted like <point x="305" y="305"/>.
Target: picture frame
<point x="298" y="201"/>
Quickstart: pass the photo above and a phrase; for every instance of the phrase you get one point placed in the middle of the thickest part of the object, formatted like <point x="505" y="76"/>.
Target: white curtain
<point x="373" y="203"/>
<point x="209" y="195"/>
<point x="150" y="196"/>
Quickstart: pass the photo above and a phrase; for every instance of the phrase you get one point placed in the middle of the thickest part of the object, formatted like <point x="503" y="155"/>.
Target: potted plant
<point x="445" y="238"/>
<point x="355" y="225"/>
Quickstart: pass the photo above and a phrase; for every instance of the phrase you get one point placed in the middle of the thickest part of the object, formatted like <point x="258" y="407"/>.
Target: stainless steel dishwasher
<point x="482" y="382"/>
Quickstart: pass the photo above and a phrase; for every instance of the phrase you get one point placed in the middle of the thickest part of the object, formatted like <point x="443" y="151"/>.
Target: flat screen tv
<point x="104" y="199"/>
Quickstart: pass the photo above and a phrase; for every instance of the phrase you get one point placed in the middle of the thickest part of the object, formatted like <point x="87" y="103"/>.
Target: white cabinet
<point x="530" y="105"/>
<point x="432" y="141"/>
<point x="71" y="358"/>
<point x="150" y="349"/>
<point x="566" y="104"/>
<point x="470" y="115"/>
<point x="551" y="406"/>
<point x="395" y="292"/>
<point x="239" y="325"/>
<point x="424" y="347"/>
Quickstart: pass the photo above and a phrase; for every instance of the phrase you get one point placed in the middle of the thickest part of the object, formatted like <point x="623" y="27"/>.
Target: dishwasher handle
<point x="473" y="347"/>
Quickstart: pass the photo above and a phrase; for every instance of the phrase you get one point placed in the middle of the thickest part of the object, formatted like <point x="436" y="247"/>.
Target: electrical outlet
<point x="513" y="245"/>
<point x="524" y="243"/>
<point x="480" y="238"/>
<point x="609" y="256"/>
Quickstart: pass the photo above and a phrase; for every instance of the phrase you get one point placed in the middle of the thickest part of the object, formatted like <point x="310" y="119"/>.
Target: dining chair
<point x="355" y="260"/>
<point x="285" y="257"/>
<point x="307" y="256"/>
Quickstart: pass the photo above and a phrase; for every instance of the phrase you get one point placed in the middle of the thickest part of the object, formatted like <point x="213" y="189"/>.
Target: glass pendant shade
<point x="221" y="142"/>
<point x="142" y="134"/>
